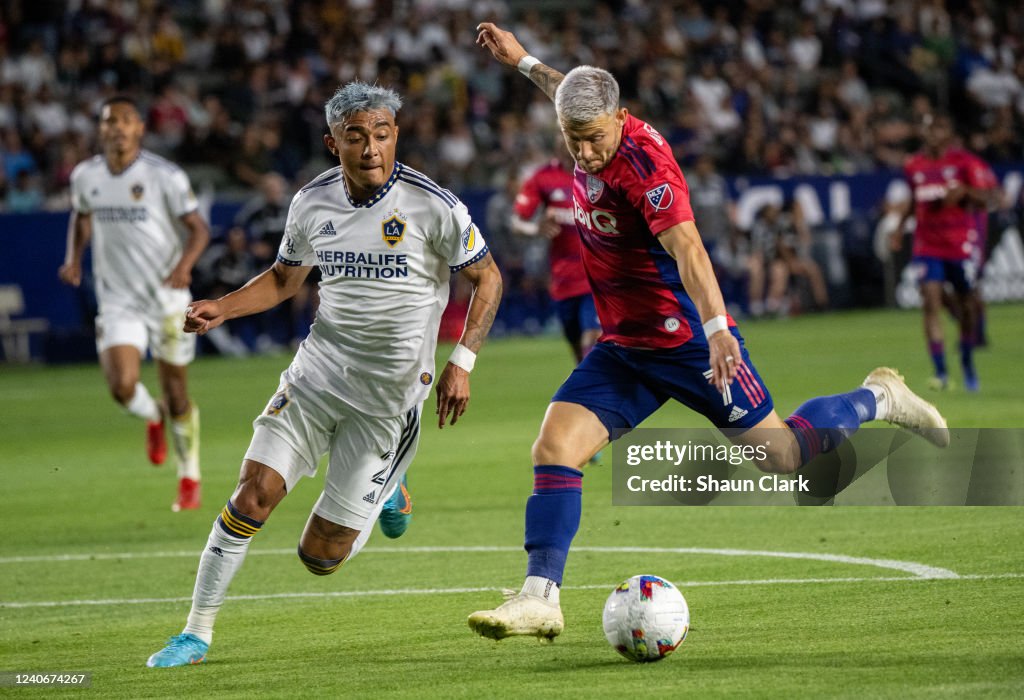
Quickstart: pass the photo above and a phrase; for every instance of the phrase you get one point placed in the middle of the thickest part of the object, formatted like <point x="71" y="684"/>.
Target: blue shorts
<point x="622" y="386"/>
<point x="577" y="315"/>
<point x="962" y="274"/>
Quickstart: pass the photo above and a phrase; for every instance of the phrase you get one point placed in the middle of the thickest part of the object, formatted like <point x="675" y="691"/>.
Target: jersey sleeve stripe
<point x="285" y="261"/>
<point x="427" y="188"/>
<point x="331" y="179"/>
<point x="640" y="160"/>
<point x="420" y="177"/>
<point x="476" y="258"/>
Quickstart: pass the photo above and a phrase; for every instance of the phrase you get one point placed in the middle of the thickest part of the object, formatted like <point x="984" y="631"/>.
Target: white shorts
<point x="161" y="332"/>
<point x="368" y="456"/>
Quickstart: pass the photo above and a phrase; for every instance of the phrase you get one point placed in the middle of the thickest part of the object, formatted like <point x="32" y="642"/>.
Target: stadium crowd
<point x="234" y="91"/>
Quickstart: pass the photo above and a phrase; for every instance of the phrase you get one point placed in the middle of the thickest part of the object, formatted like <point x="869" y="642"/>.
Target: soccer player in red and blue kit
<point x="666" y="335"/>
<point x="550" y="188"/>
<point x="949" y="187"/>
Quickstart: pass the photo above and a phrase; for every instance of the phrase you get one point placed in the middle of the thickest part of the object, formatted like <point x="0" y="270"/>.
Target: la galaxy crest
<point x="137" y="191"/>
<point x="595" y="187"/>
<point x="392" y="229"/>
<point x="277" y="404"/>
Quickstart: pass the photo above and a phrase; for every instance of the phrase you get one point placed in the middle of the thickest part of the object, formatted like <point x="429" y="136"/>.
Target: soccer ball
<point x="646" y="618"/>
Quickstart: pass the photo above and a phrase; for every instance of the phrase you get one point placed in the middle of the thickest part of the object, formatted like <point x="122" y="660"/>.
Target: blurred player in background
<point x="543" y="206"/>
<point x="666" y="335"/>
<point x="386" y="239"/>
<point x="133" y="205"/>
<point x="949" y="188"/>
<point x="989" y="183"/>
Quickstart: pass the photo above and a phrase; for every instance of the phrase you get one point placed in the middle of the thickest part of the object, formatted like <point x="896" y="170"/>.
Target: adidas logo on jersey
<point x="737" y="413"/>
<point x="327" y="229"/>
<point x="371" y="497"/>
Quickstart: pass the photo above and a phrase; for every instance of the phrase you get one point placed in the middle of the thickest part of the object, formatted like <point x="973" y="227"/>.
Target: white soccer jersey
<point x="137" y="238"/>
<point x="385" y="265"/>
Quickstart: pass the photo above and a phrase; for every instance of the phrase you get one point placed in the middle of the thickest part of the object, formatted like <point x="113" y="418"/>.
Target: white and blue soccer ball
<point x="646" y="618"/>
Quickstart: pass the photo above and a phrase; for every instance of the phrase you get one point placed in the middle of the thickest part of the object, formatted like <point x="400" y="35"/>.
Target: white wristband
<point x="526" y="63"/>
<point x="463" y="357"/>
<point x="718" y="323"/>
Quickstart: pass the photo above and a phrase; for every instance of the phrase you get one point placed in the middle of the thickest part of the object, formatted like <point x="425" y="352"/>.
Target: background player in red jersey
<point x="666" y="335"/>
<point x="947" y="187"/>
<point x="549" y="192"/>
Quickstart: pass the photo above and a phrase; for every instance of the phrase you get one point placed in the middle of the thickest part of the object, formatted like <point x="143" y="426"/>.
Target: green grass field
<point x="96" y="572"/>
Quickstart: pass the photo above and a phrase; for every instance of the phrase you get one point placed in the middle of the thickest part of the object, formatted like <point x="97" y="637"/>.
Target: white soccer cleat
<point x="520" y="615"/>
<point x="907" y="409"/>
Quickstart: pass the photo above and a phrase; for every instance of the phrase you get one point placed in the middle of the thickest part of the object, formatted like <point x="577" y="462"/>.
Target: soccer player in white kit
<point x="386" y="239"/>
<point x="142" y="217"/>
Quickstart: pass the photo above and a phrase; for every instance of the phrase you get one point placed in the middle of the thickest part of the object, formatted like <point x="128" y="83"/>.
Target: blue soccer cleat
<point x="397" y="512"/>
<point x="181" y="650"/>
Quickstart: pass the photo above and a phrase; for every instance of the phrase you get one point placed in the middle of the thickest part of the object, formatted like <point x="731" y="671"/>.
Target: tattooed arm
<point x="506" y="48"/>
<point x="453" y="384"/>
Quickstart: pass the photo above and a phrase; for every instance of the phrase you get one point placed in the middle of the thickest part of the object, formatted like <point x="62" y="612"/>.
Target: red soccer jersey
<point x="987" y="180"/>
<point x="639" y="295"/>
<point x="551" y="186"/>
<point x="943" y="231"/>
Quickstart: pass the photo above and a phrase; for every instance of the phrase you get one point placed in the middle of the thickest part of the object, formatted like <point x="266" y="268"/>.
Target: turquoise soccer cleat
<point x="397" y="512"/>
<point x="181" y="650"/>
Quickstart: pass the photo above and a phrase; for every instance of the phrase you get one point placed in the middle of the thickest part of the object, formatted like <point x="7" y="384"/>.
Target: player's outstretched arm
<point x="79" y="234"/>
<point x="506" y="49"/>
<point x="453" y="384"/>
<point x="683" y="243"/>
<point x="264" y="291"/>
<point x="198" y="239"/>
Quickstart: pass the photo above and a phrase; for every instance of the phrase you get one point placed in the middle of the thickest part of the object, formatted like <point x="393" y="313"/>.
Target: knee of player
<point x="317" y="566"/>
<point x="782" y="460"/>
<point x="123" y="390"/>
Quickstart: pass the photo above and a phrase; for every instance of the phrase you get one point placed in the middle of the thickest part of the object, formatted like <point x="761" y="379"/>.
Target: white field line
<point x="910" y="567"/>
<point x="486" y="589"/>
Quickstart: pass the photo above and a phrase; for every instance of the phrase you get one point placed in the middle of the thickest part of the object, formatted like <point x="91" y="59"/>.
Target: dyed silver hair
<point x="358" y="96"/>
<point x="585" y="94"/>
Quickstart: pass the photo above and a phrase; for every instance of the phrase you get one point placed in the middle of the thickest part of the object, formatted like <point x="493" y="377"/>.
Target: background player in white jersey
<point x="386" y="240"/>
<point x="135" y="206"/>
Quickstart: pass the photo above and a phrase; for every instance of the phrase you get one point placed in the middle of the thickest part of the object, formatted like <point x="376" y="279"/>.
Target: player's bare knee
<point x="546" y="451"/>
<point x="256" y="496"/>
<point x="123" y="389"/>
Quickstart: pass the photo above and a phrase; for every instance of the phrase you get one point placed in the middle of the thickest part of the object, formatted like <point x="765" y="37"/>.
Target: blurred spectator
<point x="24" y="194"/>
<point x="780" y="252"/>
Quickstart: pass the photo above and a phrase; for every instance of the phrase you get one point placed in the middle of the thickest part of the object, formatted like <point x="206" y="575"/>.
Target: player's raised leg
<point x="120" y="364"/>
<point x="260" y="489"/>
<point x="823" y="423"/>
<point x="569" y="435"/>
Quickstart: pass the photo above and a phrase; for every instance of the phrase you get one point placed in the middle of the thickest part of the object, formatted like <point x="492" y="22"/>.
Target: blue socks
<point x="821" y="424"/>
<point x="552" y="519"/>
<point x="938" y="354"/>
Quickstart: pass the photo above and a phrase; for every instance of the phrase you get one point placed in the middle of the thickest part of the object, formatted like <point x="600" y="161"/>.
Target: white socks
<point x="881" y="401"/>
<point x="541" y="588"/>
<point x="185" y="436"/>
<point x="142" y="404"/>
<point x="220" y="561"/>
